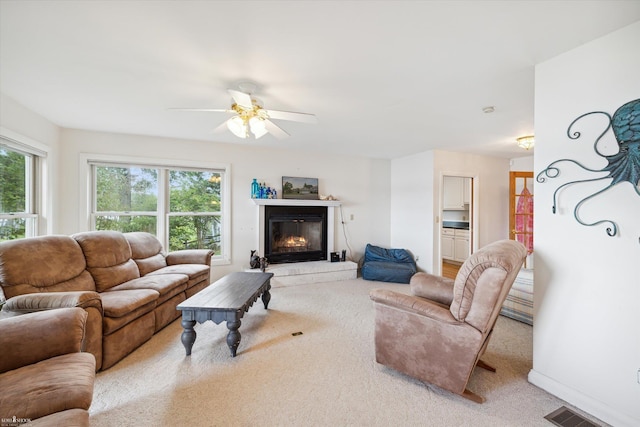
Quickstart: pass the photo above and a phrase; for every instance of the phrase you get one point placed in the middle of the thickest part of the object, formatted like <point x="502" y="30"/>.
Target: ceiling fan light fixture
<point x="526" y="142"/>
<point x="237" y="126"/>
<point x="257" y="127"/>
<point x="251" y="119"/>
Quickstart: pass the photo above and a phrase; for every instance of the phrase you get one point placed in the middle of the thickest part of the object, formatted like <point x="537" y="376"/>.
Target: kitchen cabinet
<point x="455" y="244"/>
<point x="461" y="245"/>
<point x="456" y="193"/>
<point x="466" y="191"/>
<point x="446" y="248"/>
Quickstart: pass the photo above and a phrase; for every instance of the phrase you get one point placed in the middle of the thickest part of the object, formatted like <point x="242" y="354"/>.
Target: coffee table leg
<point x="266" y="296"/>
<point x="233" y="337"/>
<point x="188" y="336"/>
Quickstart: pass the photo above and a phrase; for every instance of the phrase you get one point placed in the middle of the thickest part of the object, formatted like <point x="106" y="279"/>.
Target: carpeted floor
<point x="327" y="376"/>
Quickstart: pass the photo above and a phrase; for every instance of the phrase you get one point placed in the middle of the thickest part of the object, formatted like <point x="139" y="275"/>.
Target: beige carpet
<point x="325" y="377"/>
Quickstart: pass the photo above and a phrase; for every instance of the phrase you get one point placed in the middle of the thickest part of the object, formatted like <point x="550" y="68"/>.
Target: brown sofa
<point x="128" y="286"/>
<point x="45" y="380"/>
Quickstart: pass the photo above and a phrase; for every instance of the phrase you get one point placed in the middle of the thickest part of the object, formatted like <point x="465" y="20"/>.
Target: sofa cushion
<point x="167" y="285"/>
<point x="121" y="303"/>
<point x="108" y="257"/>
<point x="52" y="385"/>
<point x="123" y="307"/>
<point x="146" y="251"/>
<point x="195" y="272"/>
<point x="43" y="264"/>
<point x="150" y="264"/>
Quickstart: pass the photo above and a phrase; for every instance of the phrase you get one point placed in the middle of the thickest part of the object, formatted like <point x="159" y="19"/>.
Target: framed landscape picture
<point x="299" y="188"/>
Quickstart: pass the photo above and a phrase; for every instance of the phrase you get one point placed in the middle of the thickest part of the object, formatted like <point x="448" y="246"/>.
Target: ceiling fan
<point x="251" y="118"/>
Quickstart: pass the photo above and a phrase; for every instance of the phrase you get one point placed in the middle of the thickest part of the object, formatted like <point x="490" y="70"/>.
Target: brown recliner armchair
<point x="45" y="378"/>
<point x="439" y="333"/>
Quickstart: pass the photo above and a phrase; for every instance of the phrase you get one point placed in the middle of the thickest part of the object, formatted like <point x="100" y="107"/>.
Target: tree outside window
<point x="131" y="198"/>
<point x="194" y="219"/>
<point x="16" y="217"/>
<point x="126" y="199"/>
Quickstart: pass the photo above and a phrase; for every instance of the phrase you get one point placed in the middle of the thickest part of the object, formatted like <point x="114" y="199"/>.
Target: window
<point x="194" y="209"/>
<point x="126" y="199"/>
<point x="183" y="206"/>
<point x="18" y="216"/>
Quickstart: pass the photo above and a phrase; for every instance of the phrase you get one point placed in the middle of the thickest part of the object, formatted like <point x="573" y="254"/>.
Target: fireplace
<point x="295" y="233"/>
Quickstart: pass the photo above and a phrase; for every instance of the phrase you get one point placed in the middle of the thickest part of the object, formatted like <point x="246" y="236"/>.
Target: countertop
<point x="460" y="225"/>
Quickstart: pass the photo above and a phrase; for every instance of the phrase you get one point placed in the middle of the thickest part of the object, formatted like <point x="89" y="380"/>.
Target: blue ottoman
<point x="388" y="265"/>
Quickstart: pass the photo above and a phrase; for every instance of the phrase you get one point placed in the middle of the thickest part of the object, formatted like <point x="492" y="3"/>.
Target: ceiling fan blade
<point x="219" y="110"/>
<point x="290" y="115"/>
<point x="241" y="98"/>
<point x="221" y="127"/>
<point x="275" y="130"/>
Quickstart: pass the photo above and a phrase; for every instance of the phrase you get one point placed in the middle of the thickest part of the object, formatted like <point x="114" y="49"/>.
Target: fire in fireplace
<point x="295" y="233"/>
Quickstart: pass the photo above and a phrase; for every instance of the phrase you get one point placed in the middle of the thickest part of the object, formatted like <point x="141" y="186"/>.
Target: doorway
<point x="457" y="219"/>
<point x="521" y="212"/>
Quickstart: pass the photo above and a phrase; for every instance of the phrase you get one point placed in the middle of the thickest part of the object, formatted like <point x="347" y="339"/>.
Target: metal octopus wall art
<point x="623" y="166"/>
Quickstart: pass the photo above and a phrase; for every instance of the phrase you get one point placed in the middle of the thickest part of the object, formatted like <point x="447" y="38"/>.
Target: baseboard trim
<point x="581" y="401"/>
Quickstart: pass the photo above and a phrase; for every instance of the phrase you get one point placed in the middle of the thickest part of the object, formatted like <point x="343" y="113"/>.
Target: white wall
<point x="26" y="127"/>
<point x="522" y="164"/>
<point x="413" y="196"/>
<point x="17" y="118"/>
<point x="586" y="334"/>
<point x="416" y="195"/>
<point x="361" y="184"/>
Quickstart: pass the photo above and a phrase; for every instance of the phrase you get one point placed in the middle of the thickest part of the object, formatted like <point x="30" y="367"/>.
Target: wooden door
<point x="521" y="208"/>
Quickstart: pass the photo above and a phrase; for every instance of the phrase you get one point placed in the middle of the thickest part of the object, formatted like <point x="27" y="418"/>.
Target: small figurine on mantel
<point x="329" y="197"/>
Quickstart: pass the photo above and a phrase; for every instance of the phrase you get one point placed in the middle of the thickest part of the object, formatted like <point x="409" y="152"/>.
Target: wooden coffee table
<point x="224" y="300"/>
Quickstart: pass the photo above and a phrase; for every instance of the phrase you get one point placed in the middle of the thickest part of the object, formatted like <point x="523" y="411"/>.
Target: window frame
<point x="87" y="193"/>
<point x="36" y="185"/>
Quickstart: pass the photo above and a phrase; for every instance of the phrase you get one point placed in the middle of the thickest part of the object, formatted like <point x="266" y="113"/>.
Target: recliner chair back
<point x="483" y="282"/>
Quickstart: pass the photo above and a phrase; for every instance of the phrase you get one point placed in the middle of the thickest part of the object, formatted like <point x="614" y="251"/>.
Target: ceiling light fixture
<point x="249" y="121"/>
<point x="250" y="118"/>
<point x="489" y="109"/>
<point x="238" y="127"/>
<point x="526" y="142"/>
<point x="257" y="126"/>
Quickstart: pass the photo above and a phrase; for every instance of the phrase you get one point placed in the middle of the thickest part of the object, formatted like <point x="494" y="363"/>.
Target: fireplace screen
<point x="295" y="234"/>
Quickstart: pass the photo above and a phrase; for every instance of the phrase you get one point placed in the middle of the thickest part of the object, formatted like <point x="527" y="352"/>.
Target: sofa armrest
<point x="413" y="304"/>
<point x="435" y="288"/>
<point x="42" y="301"/>
<point x="39" y="336"/>
<point x="190" y="256"/>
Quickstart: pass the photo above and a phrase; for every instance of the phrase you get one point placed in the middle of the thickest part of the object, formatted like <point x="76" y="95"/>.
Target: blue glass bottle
<point x="255" y="189"/>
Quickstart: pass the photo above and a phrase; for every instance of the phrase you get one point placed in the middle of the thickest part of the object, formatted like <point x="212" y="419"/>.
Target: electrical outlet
<point x="638" y="375"/>
<point x="351" y="217"/>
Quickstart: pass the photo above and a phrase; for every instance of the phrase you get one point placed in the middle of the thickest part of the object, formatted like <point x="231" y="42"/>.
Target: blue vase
<point x="255" y="189"/>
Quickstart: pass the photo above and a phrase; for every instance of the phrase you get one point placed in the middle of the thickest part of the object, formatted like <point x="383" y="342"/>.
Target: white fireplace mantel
<point x="298" y="202"/>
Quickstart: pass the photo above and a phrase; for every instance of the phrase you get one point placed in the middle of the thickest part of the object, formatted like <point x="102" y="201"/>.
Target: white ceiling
<point x="385" y="78"/>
